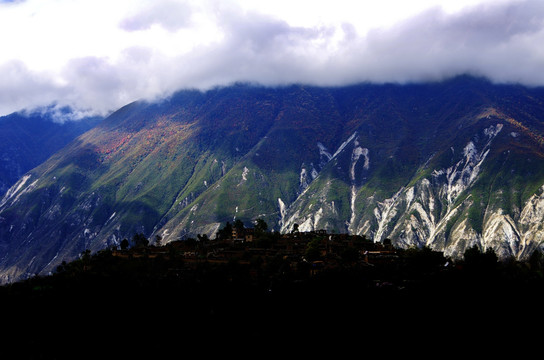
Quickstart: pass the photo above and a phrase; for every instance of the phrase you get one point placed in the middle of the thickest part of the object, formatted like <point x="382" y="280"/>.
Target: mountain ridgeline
<point x="447" y="165"/>
<point x="27" y="140"/>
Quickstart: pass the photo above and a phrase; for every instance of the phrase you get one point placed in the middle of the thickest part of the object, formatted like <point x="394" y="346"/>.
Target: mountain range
<point x="447" y="165"/>
<point x="28" y="138"/>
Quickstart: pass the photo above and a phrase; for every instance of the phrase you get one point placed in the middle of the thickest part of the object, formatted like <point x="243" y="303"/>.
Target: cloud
<point x="19" y="85"/>
<point x="499" y="42"/>
<point x="171" y="15"/>
<point x="168" y="45"/>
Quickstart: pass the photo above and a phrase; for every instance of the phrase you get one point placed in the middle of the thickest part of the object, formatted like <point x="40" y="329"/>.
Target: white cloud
<point x="172" y="15"/>
<point x="103" y="54"/>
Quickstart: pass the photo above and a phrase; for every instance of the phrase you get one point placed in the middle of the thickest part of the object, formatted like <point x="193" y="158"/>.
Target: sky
<point x="98" y="55"/>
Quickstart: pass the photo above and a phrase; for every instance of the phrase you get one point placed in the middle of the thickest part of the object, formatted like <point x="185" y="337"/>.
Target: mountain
<point x="28" y="138"/>
<point x="446" y="165"/>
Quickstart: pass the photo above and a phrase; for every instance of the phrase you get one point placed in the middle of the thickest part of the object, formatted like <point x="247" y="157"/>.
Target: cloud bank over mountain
<point x="101" y="55"/>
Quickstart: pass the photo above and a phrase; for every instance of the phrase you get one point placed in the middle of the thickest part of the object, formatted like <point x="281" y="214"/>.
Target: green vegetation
<point x="475" y="213"/>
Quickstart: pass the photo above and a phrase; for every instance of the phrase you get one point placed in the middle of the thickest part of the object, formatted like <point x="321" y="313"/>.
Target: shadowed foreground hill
<point x="144" y="306"/>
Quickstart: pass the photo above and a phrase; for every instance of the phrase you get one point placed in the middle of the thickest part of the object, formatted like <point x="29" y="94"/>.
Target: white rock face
<point x="323" y="152"/>
<point x="244" y="176"/>
<point x="434" y="210"/>
<point x="307" y="175"/>
<point x="531" y="223"/>
<point x="13" y="192"/>
<point x="344" y="144"/>
<point x="281" y="204"/>
<point x="357" y="152"/>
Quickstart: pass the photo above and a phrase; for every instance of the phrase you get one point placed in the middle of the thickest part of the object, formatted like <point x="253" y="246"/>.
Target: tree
<point x="202" y="238"/>
<point x="423" y="260"/>
<point x="85" y="255"/>
<point x="85" y="258"/>
<point x="295" y="228"/>
<point x="225" y="232"/>
<point x="139" y="240"/>
<point x="477" y="260"/>
<point x="239" y="225"/>
<point x="124" y="244"/>
<point x="158" y="240"/>
<point x="260" y="226"/>
<point x="191" y="242"/>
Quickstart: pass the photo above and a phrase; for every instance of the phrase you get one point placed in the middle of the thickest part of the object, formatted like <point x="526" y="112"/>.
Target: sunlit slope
<point x="444" y="164"/>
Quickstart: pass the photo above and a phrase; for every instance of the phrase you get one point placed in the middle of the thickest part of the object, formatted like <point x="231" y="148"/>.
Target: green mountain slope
<point x="445" y="165"/>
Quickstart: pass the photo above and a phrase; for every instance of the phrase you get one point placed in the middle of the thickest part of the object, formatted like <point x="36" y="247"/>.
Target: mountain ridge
<point x="28" y="138"/>
<point x="416" y="163"/>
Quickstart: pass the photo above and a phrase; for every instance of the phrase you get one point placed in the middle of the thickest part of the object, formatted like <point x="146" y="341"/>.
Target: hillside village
<point x="242" y="244"/>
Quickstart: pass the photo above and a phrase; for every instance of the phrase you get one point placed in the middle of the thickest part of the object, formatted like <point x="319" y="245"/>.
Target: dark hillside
<point x="28" y="140"/>
<point x="143" y="305"/>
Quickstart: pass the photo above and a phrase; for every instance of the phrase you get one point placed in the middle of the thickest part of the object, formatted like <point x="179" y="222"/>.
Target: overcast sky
<point x="98" y="55"/>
